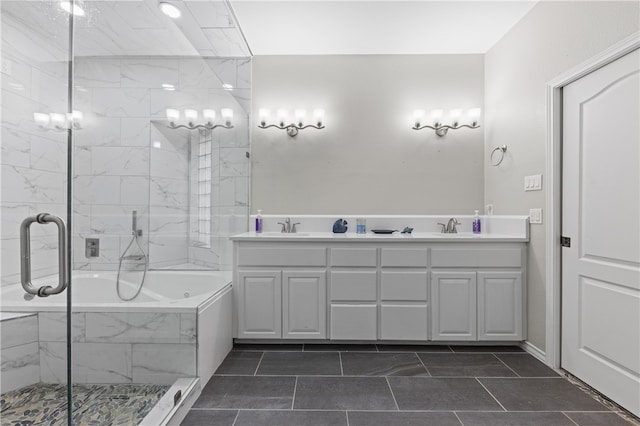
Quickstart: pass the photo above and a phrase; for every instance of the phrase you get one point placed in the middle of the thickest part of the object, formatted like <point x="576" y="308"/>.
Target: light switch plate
<point x="533" y="183"/>
<point x="535" y="216"/>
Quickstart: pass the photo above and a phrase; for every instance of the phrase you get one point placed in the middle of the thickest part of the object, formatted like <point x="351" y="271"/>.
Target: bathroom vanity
<point x="419" y="287"/>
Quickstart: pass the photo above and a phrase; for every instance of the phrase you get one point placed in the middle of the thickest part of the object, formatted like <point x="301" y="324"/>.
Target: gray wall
<point x="368" y="160"/>
<point x="551" y="39"/>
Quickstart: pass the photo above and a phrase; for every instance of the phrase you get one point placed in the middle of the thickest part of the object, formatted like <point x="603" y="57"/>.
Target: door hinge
<point x="565" y="241"/>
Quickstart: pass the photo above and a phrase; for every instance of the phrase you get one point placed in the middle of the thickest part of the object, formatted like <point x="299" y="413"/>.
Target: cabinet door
<point x="304" y="303"/>
<point x="259" y="305"/>
<point x="402" y="321"/>
<point x="500" y="305"/>
<point x="453" y="306"/>
<point x="354" y="321"/>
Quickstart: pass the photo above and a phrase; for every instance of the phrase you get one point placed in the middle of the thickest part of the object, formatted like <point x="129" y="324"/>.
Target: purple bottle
<point x="477" y="226"/>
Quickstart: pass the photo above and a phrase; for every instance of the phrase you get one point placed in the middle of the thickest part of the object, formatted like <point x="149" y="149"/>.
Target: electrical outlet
<point x="535" y="216"/>
<point x="533" y="183"/>
<point x="6" y="67"/>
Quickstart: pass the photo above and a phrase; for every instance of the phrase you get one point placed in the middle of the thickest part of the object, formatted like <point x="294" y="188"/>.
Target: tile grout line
<point x="235" y="418"/>
<point x="423" y="364"/>
<point x="295" y="388"/>
<point x="455" y="413"/>
<point x="505" y="364"/>
<point x="255" y="373"/>
<point x="570" y="419"/>
<point x="341" y="369"/>
<point x="492" y="396"/>
<point x="386" y="378"/>
<point x="346" y="414"/>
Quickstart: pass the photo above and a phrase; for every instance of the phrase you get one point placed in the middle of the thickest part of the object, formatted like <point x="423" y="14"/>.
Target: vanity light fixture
<point x="58" y="121"/>
<point x="291" y="128"/>
<point x="455" y="117"/>
<point x="170" y="10"/>
<point x="191" y="116"/>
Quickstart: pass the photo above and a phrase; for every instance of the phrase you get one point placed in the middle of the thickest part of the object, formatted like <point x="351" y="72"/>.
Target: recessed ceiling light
<point x="227" y="86"/>
<point x="170" y="10"/>
<point x="75" y="10"/>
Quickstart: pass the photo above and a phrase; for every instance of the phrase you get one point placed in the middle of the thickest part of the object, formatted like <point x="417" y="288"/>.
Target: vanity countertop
<point x="351" y="237"/>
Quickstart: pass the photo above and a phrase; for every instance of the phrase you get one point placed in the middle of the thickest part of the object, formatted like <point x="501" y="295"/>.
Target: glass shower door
<point x="36" y="133"/>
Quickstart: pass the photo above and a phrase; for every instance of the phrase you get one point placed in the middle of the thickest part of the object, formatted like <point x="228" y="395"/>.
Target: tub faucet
<point x="288" y="227"/>
<point x="450" y="227"/>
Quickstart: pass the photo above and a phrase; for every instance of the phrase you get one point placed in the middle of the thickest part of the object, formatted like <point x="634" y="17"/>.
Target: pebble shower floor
<point x="106" y="404"/>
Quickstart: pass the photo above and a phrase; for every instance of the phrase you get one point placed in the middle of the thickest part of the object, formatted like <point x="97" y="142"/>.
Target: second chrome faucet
<point x="450" y="227"/>
<point x="288" y="227"/>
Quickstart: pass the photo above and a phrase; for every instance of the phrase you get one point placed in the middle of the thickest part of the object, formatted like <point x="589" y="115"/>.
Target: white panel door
<point x="304" y="305"/>
<point x="259" y="305"/>
<point x="500" y="305"/>
<point x="601" y="215"/>
<point x="453" y="306"/>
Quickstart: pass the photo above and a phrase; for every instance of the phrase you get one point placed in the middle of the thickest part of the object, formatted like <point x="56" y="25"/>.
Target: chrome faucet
<point x="288" y="227"/>
<point x="450" y="227"/>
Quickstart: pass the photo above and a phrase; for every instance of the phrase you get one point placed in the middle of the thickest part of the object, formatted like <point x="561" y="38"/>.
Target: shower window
<point x="204" y="189"/>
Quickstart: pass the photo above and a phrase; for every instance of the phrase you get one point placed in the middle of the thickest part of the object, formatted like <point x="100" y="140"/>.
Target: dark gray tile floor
<point x="353" y="385"/>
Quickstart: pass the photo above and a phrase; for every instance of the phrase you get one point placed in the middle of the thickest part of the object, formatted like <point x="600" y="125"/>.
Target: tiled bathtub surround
<point x="20" y="359"/>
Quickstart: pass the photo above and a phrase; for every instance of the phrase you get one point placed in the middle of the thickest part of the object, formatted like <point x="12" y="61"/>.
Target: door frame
<point x="553" y="215"/>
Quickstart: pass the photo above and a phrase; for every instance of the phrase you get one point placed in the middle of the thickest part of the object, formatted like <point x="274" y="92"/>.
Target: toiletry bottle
<point x="477" y="228"/>
<point x="259" y="222"/>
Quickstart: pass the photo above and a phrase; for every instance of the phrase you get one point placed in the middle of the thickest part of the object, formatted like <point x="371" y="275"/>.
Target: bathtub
<point x="179" y="326"/>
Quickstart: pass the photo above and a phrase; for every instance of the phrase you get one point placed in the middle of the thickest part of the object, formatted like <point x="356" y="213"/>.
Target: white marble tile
<point x="148" y="72"/>
<point x="98" y="131"/>
<point x="133" y="327"/>
<point x="97" y="189"/>
<point x="234" y="191"/>
<point x="44" y="255"/>
<point x="19" y="81"/>
<point x="15" y="149"/>
<point x="243" y="98"/>
<point x="243" y="73"/>
<point x="121" y="103"/>
<point x="12" y="215"/>
<point x="226" y="41"/>
<point x="82" y="160"/>
<point x="117" y="219"/>
<point x="109" y="250"/>
<point x="163" y="249"/>
<point x="53" y="362"/>
<point x="168" y="164"/>
<point x="234" y="162"/>
<point x="97" y="72"/>
<point x="134" y="190"/>
<point x="225" y="69"/>
<point x="48" y="155"/>
<point x="81" y="219"/>
<point x="49" y="91"/>
<point x="21" y="184"/>
<point x="179" y="99"/>
<point x="102" y="363"/>
<point x="163" y="363"/>
<point x="196" y="73"/>
<point x="20" y="366"/>
<point x="19" y="331"/>
<point x="172" y="140"/>
<point x="118" y="161"/>
<point x="211" y="14"/>
<point x="188" y="328"/>
<point x="138" y="14"/>
<point x="169" y="192"/>
<point x="52" y="326"/>
<point x="134" y="132"/>
<point x="168" y="221"/>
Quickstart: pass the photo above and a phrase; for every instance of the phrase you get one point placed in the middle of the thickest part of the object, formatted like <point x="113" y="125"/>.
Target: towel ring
<point x="501" y="149"/>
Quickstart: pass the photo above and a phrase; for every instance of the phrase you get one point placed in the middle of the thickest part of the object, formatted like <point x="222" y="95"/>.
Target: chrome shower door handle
<point x="25" y="255"/>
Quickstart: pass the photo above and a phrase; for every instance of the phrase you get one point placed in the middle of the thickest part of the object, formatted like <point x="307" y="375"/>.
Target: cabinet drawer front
<point x="404" y="285"/>
<point x="353" y="285"/>
<point x="282" y="256"/>
<point x="354" y="257"/>
<point x="404" y="257"/>
<point x="354" y="322"/>
<point x="478" y="258"/>
<point x="403" y="322"/>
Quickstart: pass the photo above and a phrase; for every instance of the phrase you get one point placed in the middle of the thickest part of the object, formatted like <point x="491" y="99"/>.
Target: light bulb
<point x="170" y="10"/>
<point x="474" y="115"/>
<point x="173" y="115"/>
<point x="227" y="115"/>
<point x="209" y="115"/>
<point x="455" y="115"/>
<point x="300" y="114"/>
<point x="191" y="115"/>
<point x="436" y="115"/>
<point x="318" y="116"/>
<point x="41" y="119"/>
<point x="418" y="116"/>
<point x="264" y="114"/>
<point x="59" y="121"/>
<point x="282" y="116"/>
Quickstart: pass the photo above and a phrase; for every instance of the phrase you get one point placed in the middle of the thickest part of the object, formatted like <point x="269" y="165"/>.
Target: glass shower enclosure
<point x="133" y="196"/>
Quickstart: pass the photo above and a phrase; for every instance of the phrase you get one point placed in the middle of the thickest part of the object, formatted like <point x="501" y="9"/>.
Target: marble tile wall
<point x="19" y="352"/>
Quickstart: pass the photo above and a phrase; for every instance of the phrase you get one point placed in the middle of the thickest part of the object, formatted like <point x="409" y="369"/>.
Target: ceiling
<point x="308" y="27"/>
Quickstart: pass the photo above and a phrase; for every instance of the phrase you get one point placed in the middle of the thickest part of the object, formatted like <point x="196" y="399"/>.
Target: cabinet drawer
<point x="282" y="256"/>
<point x="404" y="285"/>
<point x="354" y="257"/>
<point x="404" y="257"/>
<point x="353" y="285"/>
<point x="354" y="322"/>
<point x="403" y="322"/>
<point x="477" y="258"/>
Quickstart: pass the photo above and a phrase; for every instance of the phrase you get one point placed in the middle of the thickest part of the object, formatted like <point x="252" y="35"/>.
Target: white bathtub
<point x="179" y="291"/>
<point x="179" y="326"/>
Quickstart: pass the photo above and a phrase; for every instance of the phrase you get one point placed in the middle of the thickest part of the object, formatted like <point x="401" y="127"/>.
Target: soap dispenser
<point x="477" y="227"/>
<point x="259" y="222"/>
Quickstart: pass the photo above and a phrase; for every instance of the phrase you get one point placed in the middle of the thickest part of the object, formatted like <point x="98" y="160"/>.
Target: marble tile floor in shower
<point x="94" y="405"/>
<point x="380" y="385"/>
